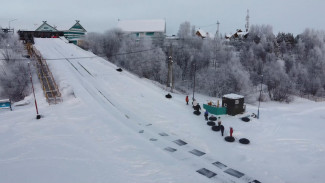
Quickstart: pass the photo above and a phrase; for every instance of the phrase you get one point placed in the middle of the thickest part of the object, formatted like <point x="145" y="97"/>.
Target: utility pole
<point x="170" y="79"/>
<point x="38" y="116"/>
<point x="194" y="80"/>
<point x="9" y="24"/>
<point x="247" y="21"/>
<point x="259" y="99"/>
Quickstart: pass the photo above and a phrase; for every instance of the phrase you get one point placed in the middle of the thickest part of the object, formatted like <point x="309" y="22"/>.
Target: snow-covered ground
<point x="114" y="127"/>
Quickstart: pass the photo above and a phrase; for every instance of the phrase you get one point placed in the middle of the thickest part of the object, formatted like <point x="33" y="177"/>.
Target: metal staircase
<point x="50" y="88"/>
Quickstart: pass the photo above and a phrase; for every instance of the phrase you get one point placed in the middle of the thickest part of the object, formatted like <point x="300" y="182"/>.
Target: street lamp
<point x="11" y="21"/>
<point x="171" y="79"/>
<point x="259" y="99"/>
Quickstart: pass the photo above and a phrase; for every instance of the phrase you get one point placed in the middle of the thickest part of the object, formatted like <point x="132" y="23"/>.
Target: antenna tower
<point x="247" y="21"/>
<point x="217" y="33"/>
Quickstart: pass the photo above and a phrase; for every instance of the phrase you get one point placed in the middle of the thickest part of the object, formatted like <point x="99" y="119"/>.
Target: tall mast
<point x="247" y="21"/>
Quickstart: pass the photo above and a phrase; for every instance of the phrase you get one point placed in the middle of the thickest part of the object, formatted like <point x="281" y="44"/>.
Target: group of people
<point x="197" y="107"/>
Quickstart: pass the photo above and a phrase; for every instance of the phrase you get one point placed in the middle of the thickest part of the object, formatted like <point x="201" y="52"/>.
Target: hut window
<point x="236" y="101"/>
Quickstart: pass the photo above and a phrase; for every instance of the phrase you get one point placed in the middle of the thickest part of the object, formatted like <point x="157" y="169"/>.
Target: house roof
<point x="158" y="25"/>
<point x="46" y="27"/>
<point x="233" y="96"/>
<point x="77" y="27"/>
<point x="202" y="33"/>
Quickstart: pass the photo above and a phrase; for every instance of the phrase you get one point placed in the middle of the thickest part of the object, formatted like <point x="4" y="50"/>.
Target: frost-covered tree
<point x="290" y="65"/>
<point x="14" y="80"/>
<point x="184" y="30"/>
<point x="142" y="58"/>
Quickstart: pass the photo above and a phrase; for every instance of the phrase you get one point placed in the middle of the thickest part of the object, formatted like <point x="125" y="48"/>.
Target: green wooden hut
<point x="76" y="33"/>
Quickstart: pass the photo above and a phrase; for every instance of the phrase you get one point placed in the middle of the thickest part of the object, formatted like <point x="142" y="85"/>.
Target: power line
<point x="207" y="25"/>
<point x="71" y="58"/>
<point x="135" y="52"/>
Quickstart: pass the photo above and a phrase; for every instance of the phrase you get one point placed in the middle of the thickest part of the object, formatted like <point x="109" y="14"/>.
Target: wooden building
<point x="234" y="104"/>
<point x="45" y="27"/>
<point x="28" y="36"/>
<point x="74" y="35"/>
<point x="201" y="33"/>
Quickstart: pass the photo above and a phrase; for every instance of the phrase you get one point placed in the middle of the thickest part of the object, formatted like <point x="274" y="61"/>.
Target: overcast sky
<point x="99" y="15"/>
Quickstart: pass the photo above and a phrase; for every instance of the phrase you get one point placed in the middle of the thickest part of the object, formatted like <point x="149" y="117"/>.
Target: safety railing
<point x="49" y="86"/>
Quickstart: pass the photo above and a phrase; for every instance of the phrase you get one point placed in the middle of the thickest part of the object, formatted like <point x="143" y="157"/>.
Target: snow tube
<point x="245" y="119"/>
<point x="168" y="96"/>
<point x="211" y="123"/>
<point x="229" y="139"/>
<point x="215" y="128"/>
<point x="213" y="118"/>
<point x="197" y="113"/>
<point x="119" y="70"/>
<point x="244" y="141"/>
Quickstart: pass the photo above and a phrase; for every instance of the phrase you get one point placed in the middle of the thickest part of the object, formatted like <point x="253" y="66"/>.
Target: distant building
<point x="201" y="33"/>
<point x="6" y="30"/>
<point x="143" y="28"/>
<point x="238" y="35"/>
<point x="75" y="34"/>
<point x="45" y="27"/>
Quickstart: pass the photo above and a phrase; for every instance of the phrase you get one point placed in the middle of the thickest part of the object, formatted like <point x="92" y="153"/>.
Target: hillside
<point x="115" y="127"/>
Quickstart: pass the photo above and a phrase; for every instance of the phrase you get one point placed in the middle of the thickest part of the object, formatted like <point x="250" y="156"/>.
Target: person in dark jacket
<point x="206" y="114"/>
<point x="198" y="107"/>
<point x="222" y="128"/>
<point x="186" y="99"/>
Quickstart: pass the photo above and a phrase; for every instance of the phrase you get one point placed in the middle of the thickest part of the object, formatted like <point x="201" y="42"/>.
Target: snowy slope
<point x="112" y="127"/>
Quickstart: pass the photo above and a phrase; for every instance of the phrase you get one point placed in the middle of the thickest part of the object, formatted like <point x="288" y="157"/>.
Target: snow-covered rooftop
<point x="158" y="25"/>
<point x="202" y="32"/>
<point x="233" y="96"/>
<point x="4" y="100"/>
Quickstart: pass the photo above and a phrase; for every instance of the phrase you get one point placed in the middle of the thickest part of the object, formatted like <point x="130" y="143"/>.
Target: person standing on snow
<point x="206" y="114"/>
<point x="194" y="102"/>
<point x="222" y="128"/>
<point x="186" y="99"/>
<point x="219" y="121"/>
<point x="198" y="107"/>
<point x="231" y="131"/>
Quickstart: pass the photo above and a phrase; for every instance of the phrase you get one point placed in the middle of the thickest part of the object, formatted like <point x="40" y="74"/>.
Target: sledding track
<point x="110" y="96"/>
